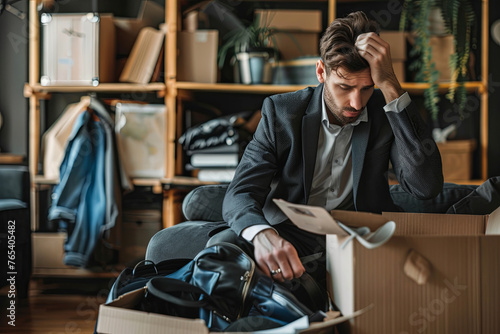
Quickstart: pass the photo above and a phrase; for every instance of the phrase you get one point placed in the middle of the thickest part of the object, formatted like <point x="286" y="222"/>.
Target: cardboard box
<point x="399" y="67"/>
<point x="107" y="48"/>
<point x="397" y="41"/>
<point x="197" y="59"/>
<point x="434" y="273"/>
<point x="458" y="256"/>
<point x="298" y="31"/>
<point x="290" y="19"/>
<point x="292" y="45"/>
<point x="456" y="156"/>
<point x="119" y="317"/>
<point x="138" y="227"/>
<point x="48" y="250"/>
<point x="442" y="48"/>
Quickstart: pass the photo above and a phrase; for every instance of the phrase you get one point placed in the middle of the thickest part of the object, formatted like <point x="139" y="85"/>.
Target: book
<point x="216" y="174"/>
<point x="144" y="56"/>
<point x="214" y="160"/>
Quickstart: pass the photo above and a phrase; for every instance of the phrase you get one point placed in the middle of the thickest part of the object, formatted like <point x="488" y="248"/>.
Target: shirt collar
<point x="363" y="117"/>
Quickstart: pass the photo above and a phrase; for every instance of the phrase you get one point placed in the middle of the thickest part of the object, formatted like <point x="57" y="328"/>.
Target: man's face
<point x="346" y="93"/>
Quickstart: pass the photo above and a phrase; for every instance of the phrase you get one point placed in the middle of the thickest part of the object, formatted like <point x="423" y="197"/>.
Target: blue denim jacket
<point x="83" y="202"/>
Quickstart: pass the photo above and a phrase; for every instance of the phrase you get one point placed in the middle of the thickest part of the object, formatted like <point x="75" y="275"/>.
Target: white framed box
<point x="140" y="133"/>
<point x="70" y="49"/>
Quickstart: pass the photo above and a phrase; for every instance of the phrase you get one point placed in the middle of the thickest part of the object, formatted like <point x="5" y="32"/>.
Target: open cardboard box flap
<point x="318" y="220"/>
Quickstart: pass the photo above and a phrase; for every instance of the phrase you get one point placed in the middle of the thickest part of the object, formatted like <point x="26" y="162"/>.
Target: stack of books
<point x="217" y="163"/>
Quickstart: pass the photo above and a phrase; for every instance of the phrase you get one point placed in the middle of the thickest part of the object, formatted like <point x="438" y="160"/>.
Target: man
<point x="326" y="146"/>
<point x="330" y="146"/>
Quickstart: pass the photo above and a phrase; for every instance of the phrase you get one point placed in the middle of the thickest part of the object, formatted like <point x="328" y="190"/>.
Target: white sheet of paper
<point x="313" y="219"/>
<point x="292" y="328"/>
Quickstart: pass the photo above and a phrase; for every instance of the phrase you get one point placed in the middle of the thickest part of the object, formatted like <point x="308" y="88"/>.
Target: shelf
<point x="144" y="182"/>
<point x="420" y="87"/>
<point x="238" y="88"/>
<point x="11" y="159"/>
<point x="75" y="272"/>
<point x="103" y="87"/>
<point x="411" y="87"/>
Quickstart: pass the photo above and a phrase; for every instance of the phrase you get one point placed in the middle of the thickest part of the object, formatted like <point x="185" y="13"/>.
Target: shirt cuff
<point x="250" y="232"/>
<point x="399" y="104"/>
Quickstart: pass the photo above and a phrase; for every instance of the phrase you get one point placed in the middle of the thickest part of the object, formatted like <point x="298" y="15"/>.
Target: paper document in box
<point x="313" y="219"/>
<point x="317" y="220"/>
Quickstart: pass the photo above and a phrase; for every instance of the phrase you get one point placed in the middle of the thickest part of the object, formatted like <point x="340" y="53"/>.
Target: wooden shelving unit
<point x="173" y="92"/>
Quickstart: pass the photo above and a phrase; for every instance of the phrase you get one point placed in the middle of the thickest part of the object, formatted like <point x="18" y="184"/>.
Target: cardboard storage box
<point x="298" y="31"/>
<point x="456" y="156"/>
<point x="290" y="19"/>
<point x="397" y="41"/>
<point x="138" y="227"/>
<point x="292" y="45"/>
<point x="48" y="250"/>
<point x="442" y="49"/>
<point x="432" y="273"/>
<point x="197" y="59"/>
<point x="452" y="286"/>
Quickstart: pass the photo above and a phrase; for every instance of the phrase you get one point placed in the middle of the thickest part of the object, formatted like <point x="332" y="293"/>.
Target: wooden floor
<point x="56" y="307"/>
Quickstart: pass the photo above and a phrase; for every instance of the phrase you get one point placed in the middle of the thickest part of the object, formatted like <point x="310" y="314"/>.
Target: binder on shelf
<point x="144" y="57"/>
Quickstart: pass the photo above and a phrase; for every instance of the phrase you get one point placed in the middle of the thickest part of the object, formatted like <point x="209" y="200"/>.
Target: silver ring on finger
<point x="276" y="272"/>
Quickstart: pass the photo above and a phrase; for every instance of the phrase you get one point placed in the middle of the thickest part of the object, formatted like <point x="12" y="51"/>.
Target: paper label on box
<point x="201" y="36"/>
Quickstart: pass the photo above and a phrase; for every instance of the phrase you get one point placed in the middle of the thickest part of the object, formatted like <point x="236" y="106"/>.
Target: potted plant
<point x="250" y="50"/>
<point x="459" y="19"/>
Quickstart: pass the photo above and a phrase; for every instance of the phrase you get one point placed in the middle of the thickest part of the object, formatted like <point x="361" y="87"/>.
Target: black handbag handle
<point x="318" y="296"/>
<point x="163" y="287"/>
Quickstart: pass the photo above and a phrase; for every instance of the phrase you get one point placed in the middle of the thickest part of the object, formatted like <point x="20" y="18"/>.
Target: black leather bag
<point x="221" y="285"/>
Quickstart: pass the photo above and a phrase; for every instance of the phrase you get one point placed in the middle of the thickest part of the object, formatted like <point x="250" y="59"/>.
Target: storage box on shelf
<point x="197" y="60"/>
<point x="397" y="41"/>
<point x="298" y="31"/>
<point x="456" y="156"/>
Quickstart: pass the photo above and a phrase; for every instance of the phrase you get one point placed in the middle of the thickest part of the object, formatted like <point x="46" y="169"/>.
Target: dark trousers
<point x="187" y="239"/>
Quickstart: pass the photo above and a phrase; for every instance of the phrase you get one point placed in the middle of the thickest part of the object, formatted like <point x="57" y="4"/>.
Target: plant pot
<point x="254" y="67"/>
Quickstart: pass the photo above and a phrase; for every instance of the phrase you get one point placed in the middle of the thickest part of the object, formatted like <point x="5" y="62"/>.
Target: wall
<point x="494" y="97"/>
<point x="13" y="75"/>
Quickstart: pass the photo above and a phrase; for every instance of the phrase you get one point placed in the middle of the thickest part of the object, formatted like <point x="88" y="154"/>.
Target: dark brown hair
<point x="337" y="43"/>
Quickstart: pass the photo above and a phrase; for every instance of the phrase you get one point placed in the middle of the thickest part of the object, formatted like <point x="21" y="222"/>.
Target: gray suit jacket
<point x="279" y="161"/>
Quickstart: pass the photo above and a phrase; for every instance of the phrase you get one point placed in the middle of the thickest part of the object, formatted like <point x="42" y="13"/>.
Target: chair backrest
<point x="204" y="203"/>
<point x="14" y="183"/>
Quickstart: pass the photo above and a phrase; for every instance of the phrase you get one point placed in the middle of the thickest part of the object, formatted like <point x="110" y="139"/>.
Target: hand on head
<point x="377" y="53"/>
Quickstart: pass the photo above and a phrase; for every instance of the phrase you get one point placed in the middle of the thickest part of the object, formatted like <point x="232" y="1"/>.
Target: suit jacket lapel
<point x="310" y="132"/>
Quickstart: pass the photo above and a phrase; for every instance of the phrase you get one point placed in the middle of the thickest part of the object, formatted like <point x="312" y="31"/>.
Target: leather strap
<point x="163" y="287"/>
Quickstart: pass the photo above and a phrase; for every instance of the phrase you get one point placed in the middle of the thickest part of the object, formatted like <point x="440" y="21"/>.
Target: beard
<point x="337" y="112"/>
